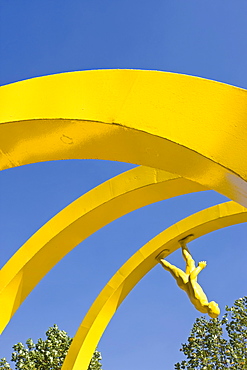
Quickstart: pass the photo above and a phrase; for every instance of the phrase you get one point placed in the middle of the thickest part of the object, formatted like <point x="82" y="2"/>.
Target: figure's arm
<point x="198" y="269"/>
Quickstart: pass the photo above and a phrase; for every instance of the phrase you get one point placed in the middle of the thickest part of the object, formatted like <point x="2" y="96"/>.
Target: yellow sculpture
<point x="180" y="124"/>
<point x="133" y="189"/>
<point x="125" y="279"/>
<point x="188" y="280"/>
<point x="170" y="122"/>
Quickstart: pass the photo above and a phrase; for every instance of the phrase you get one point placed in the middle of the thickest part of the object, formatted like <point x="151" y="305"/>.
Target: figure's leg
<point x="190" y="263"/>
<point x="175" y="271"/>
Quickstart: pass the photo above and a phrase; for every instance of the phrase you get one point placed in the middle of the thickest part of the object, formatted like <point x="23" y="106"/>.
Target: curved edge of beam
<point x="116" y="290"/>
<point x="90" y="212"/>
<point x="177" y="123"/>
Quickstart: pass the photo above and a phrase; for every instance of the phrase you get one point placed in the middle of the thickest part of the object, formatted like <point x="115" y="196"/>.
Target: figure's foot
<point x="202" y="264"/>
<point x="162" y="254"/>
<point x="186" y="240"/>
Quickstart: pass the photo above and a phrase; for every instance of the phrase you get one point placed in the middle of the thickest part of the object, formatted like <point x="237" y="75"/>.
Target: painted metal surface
<point x="116" y="290"/>
<point x="185" y="125"/>
<point x="105" y="203"/>
<point x="187" y="280"/>
<point x="189" y="126"/>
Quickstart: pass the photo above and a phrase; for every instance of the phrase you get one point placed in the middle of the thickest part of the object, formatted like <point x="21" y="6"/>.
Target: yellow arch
<point x="114" y="198"/>
<point x="113" y="294"/>
<point x="185" y="125"/>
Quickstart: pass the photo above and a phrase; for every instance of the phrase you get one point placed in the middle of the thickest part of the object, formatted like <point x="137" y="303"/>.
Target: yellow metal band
<point x="114" y="198"/>
<point x="110" y="298"/>
<point x="185" y="125"/>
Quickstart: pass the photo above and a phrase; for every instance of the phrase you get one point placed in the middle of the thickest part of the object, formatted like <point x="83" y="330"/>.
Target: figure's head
<point x="213" y="309"/>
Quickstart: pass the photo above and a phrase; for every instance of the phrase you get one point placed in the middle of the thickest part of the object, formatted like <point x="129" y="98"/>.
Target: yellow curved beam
<point x="181" y="124"/>
<point x="114" y="198"/>
<point x="110" y="298"/>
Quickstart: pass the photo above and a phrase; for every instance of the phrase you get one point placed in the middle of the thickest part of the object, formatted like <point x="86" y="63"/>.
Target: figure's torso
<point x="197" y="296"/>
<point x="194" y="291"/>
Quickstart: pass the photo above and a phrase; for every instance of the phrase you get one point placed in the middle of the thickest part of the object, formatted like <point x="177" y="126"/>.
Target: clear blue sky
<point x="196" y="37"/>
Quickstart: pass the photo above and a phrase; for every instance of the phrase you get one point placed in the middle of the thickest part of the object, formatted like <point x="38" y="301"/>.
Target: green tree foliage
<point x="218" y="343"/>
<point x="46" y="354"/>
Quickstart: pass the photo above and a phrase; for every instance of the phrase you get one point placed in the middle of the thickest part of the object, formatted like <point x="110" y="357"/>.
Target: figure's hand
<point x="202" y="264"/>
